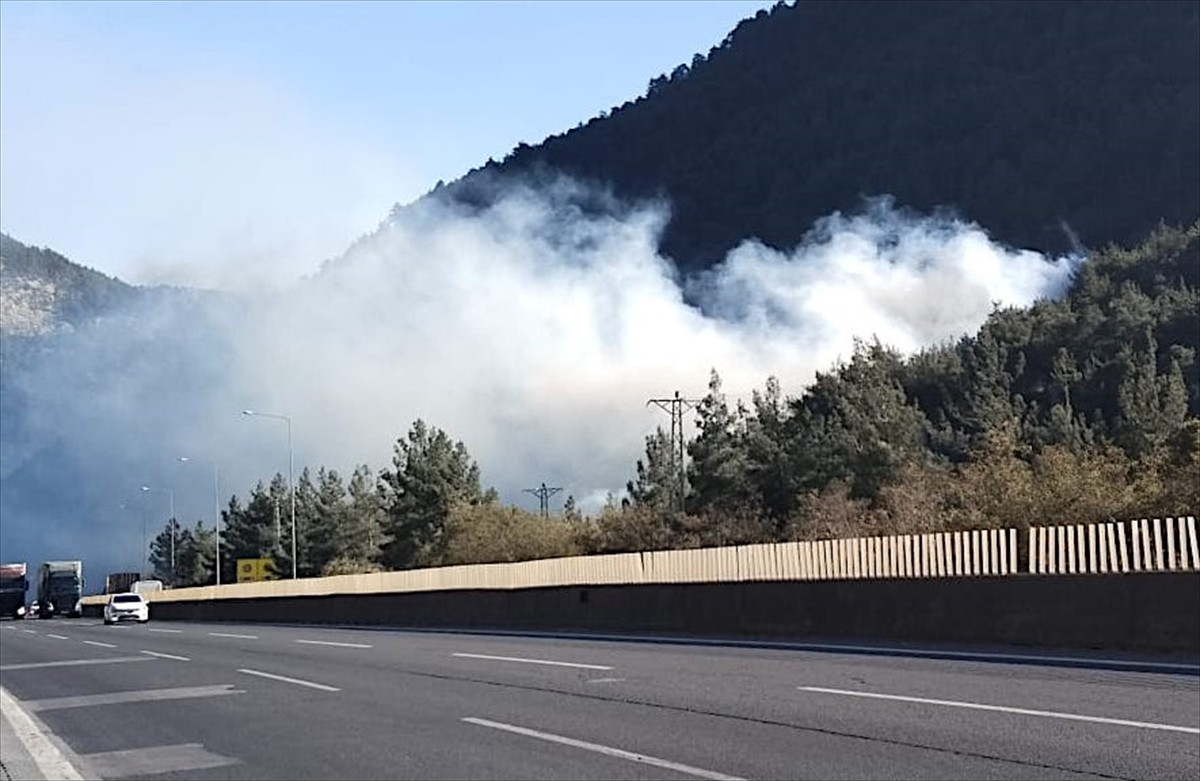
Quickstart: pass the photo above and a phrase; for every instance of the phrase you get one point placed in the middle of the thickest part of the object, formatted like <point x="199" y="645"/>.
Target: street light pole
<point x="216" y="511"/>
<point x="171" y="523"/>
<point x="138" y="564"/>
<point x="291" y="468"/>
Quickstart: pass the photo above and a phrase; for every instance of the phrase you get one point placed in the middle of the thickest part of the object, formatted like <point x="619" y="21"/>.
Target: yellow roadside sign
<point x="250" y="570"/>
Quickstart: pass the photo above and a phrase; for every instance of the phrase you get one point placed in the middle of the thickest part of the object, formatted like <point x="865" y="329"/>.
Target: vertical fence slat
<point x="1114" y="563"/>
<point x="1091" y="557"/>
<point x="1183" y="549"/>
<point x="1158" y="544"/>
<point x="1170" y="534"/>
<point x="1193" y="543"/>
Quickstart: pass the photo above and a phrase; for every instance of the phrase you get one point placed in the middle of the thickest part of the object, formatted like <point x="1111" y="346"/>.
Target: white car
<point x="126" y="607"/>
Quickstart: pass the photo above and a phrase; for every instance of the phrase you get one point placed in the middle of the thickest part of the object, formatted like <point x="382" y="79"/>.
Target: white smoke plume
<point x="532" y="330"/>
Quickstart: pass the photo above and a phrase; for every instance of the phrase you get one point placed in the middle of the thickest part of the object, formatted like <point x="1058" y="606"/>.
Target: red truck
<point x="13" y="585"/>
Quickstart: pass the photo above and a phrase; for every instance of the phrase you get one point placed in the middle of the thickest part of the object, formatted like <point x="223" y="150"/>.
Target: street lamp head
<point x="184" y="458"/>
<point x="145" y="488"/>
<point x="248" y="412"/>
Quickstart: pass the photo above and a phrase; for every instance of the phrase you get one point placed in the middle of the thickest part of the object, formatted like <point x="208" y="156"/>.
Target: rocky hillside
<point x="42" y="292"/>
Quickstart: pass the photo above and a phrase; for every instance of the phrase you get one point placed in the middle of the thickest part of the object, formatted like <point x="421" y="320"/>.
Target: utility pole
<point x="675" y="407"/>
<point x="543" y="494"/>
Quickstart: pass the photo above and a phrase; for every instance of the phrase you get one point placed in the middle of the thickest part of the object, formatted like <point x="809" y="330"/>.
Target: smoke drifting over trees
<point x="532" y="330"/>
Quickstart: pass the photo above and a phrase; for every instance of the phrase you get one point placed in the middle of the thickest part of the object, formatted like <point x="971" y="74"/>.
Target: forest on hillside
<point x="1048" y="122"/>
<point x="1081" y="409"/>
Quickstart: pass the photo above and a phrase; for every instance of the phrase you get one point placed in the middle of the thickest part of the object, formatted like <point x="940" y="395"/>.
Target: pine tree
<point x="430" y="472"/>
<point x="657" y="478"/>
<point x="164" y="553"/>
<point x="365" y="518"/>
<point x="1153" y="406"/>
<point x="195" y="556"/>
<point x="327" y="516"/>
<point x="250" y="532"/>
<point x="719" y="470"/>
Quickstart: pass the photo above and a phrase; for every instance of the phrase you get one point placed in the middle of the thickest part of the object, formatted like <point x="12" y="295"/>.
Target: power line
<point x="543" y="494"/>
<point x="675" y="407"/>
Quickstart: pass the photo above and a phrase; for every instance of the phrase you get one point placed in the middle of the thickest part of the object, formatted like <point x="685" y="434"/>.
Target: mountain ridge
<point x="975" y="107"/>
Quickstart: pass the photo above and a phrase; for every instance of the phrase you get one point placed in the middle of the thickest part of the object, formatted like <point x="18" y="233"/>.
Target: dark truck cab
<point x="60" y="588"/>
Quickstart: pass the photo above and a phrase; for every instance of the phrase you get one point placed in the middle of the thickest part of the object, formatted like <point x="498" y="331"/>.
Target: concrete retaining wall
<point x="1132" y="611"/>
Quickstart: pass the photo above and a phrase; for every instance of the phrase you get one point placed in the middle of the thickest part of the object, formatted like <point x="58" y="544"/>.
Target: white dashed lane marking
<point x="1006" y="709"/>
<point x="285" y="679"/>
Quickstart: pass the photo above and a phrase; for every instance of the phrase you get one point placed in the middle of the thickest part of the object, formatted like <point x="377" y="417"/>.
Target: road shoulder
<point x="30" y="750"/>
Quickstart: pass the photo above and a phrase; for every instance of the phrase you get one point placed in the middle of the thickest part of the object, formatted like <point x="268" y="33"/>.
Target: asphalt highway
<point x="177" y="700"/>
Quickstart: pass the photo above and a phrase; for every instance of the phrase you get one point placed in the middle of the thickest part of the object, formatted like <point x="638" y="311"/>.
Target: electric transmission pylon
<point x="675" y="407"/>
<point x="543" y="494"/>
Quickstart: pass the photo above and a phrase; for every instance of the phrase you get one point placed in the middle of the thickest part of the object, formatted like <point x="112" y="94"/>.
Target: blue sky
<point x="230" y="144"/>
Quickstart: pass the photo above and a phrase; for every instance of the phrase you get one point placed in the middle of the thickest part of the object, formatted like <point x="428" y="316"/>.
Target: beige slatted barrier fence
<point x="1140" y="545"/>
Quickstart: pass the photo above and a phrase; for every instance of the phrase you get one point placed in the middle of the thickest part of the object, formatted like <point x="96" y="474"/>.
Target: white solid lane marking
<point x="228" y="634"/>
<point x="905" y="651"/>
<point x="30" y="631"/>
<point x="45" y="754"/>
<point x="286" y="679"/>
<point x="98" y="643"/>
<point x="1005" y="709"/>
<point x="171" y="631"/>
<point x="606" y="680"/>
<point x="59" y="637"/>
<point x="534" y="661"/>
<point x="339" y="645"/>
<point x="116" y="698"/>
<point x="167" y="656"/>
<point x="607" y="750"/>
<point x="73" y="662"/>
<point x="151" y="761"/>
